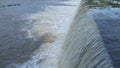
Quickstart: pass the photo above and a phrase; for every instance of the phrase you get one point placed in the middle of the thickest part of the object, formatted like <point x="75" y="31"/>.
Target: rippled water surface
<point x="30" y="28"/>
<point x="58" y="34"/>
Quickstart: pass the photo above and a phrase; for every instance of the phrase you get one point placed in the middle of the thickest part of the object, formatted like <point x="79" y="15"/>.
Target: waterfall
<point x="50" y="34"/>
<point x="83" y="46"/>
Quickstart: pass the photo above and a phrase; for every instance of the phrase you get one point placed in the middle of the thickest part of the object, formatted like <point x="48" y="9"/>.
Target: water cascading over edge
<point x="83" y="46"/>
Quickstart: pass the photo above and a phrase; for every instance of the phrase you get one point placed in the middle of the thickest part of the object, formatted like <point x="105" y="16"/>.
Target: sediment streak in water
<point x="49" y="27"/>
<point x="83" y="47"/>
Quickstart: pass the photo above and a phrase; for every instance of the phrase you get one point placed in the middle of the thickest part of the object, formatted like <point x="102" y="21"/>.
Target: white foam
<point x="56" y="20"/>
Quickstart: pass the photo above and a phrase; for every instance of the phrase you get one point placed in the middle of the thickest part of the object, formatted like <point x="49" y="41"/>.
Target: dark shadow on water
<point x="109" y="26"/>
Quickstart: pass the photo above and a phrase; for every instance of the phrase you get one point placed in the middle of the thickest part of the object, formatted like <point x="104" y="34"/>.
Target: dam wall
<point x="53" y="34"/>
<point x="83" y="46"/>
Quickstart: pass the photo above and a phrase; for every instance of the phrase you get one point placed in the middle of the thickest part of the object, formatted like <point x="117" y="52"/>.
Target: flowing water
<point x="83" y="46"/>
<point x="39" y="34"/>
<point x="34" y="32"/>
<point x="108" y="22"/>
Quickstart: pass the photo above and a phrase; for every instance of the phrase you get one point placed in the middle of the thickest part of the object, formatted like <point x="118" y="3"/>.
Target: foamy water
<point x="49" y="26"/>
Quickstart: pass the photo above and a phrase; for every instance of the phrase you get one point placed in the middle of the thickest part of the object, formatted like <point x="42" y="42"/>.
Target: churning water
<point x="51" y="38"/>
<point x="42" y="28"/>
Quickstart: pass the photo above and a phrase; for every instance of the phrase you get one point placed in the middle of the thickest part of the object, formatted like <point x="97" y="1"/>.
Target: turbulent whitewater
<point x="36" y="31"/>
<point x="50" y="34"/>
